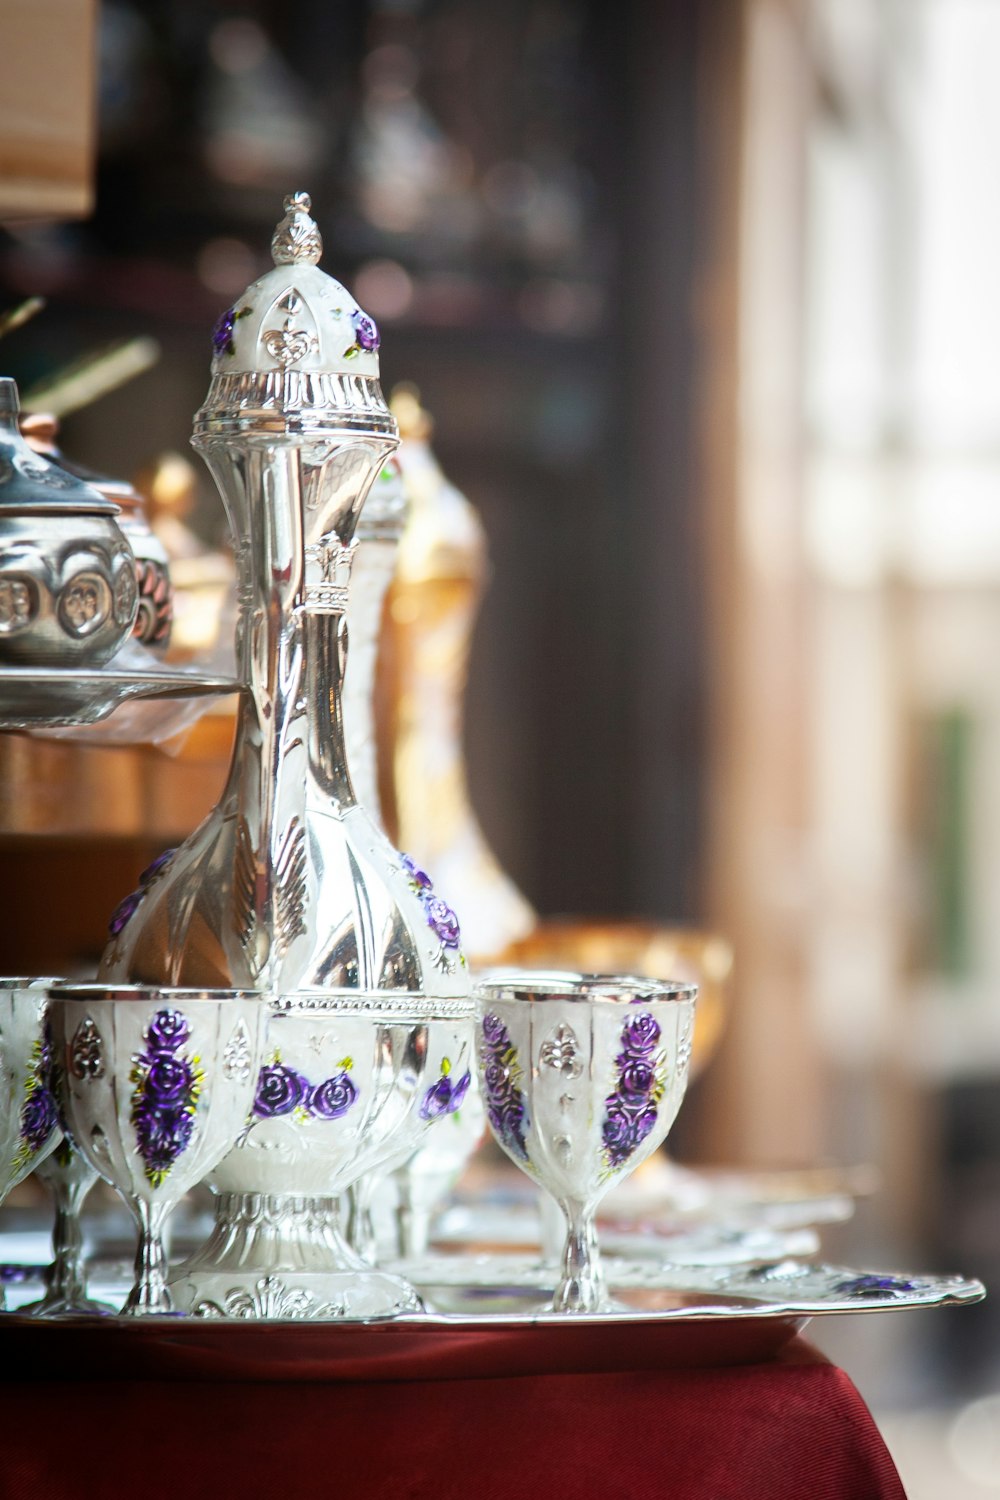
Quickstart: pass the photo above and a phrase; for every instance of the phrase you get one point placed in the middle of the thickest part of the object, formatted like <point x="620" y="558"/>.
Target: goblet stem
<point x="149" y="1294"/>
<point x="581" y="1286"/>
<point x="413" y="1220"/>
<point x="360" y="1228"/>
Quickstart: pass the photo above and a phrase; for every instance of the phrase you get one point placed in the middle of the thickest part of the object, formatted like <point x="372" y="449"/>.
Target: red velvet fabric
<point x="792" y="1428"/>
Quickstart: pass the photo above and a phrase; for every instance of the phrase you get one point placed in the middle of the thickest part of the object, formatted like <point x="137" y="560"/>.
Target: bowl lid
<point x="31" y="484"/>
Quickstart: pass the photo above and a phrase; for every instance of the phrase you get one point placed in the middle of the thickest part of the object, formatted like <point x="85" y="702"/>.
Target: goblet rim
<point x="154" y="994"/>
<point x="542" y="986"/>
<point x="32" y="982"/>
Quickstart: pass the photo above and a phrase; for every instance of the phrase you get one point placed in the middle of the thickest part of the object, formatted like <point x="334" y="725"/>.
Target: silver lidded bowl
<point x="152" y="565"/>
<point x="68" y="593"/>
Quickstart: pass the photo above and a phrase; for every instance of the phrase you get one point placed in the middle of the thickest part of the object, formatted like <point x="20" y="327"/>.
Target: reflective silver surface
<point x="37" y="697"/>
<point x="69" y="1177"/>
<point x="68" y="594"/>
<point x="29" y="1129"/>
<point x="379" y="529"/>
<point x="582" y="1076"/>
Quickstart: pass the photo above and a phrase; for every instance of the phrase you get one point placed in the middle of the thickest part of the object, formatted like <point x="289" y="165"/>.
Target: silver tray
<point x="713" y="1317"/>
<point x="32" y="697"/>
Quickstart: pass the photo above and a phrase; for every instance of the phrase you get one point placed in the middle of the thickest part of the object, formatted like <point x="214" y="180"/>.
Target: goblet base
<point x="276" y="1256"/>
<point x="68" y="1307"/>
<point x="313" y="1296"/>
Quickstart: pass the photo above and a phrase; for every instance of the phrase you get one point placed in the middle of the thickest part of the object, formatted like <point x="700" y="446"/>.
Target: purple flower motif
<point x="222" y="333"/>
<point x="503" y="1099"/>
<point x="418" y="877"/>
<point x="167" y="1080"/>
<point x="165" y="1097"/>
<point x="279" y="1091"/>
<point x="443" y="920"/>
<point x="38" y="1119"/>
<point x="459" y="1092"/>
<point x="875" y="1286"/>
<point x="437" y="1100"/>
<point x="619" y="1131"/>
<point x="333" y="1097"/>
<point x="366" y="335"/>
<point x="494" y="1031"/>
<point x="496" y="1078"/>
<point x="640" y="1035"/>
<point x="630" y="1112"/>
<point x="124" y="911"/>
<point x="162" y="1135"/>
<point x="151" y="871"/>
<point x="636" y="1079"/>
<point x="168" y="1030"/>
<point x="440" y="918"/>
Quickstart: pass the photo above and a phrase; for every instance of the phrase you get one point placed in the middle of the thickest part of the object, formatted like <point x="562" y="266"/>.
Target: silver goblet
<point x="155" y="1086"/>
<point x="390" y="1210"/>
<point x="582" y="1077"/>
<point x="69" y="1177"/>
<point x="29" y="1127"/>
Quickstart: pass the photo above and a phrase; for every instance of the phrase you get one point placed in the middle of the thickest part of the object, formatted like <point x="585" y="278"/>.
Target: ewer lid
<point x="33" y="484"/>
<point x="295" y="354"/>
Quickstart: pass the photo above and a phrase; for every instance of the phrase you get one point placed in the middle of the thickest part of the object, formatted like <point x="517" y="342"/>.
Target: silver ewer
<point x="289" y="884"/>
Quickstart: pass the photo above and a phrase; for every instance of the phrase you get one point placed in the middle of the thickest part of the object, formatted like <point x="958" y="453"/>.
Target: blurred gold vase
<point x="422" y="666"/>
<point x="593" y="946"/>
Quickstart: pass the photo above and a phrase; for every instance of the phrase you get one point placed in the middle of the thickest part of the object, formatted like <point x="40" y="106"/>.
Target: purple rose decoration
<point x="641" y="1034"/>
<point x="222" y="333"/>
<point x="38" y="1119"/>
<point x="874" y="1286"/>
<point x="636" y="1079"/>
<point x="417" y="876"/>
<point x="162" y="1135"/>
<point x="366" y="335"/>
<point x="437" y="1100"/>
<point x="124" y="911"/>
<point x="459" y="1091"/>
<point x="443" y="921"/>
<point x="159" y="863"/>
<point x="168" y="1030"/>
<point x="333" y="1097"/>
<point x="167" y="1080"/>
<point x="279" y="1091"/>
<point x="494" y="1031"/>
<point x="496" y="1079"/>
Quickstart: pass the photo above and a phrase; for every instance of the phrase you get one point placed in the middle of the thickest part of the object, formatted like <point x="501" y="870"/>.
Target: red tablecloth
<point x="791" y="1428"/>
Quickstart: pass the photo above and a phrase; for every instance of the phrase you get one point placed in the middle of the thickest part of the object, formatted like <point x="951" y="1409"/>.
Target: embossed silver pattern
<point x="237" y="1058"/>
<point x="68" y="595"/>
<point x="86" y="1053"/>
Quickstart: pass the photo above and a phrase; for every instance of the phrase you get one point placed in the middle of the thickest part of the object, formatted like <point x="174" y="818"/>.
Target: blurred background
<point x="703" y="298"/>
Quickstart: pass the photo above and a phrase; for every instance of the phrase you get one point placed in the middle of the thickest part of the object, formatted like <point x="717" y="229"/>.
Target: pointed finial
<point x="296" y="239"/>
